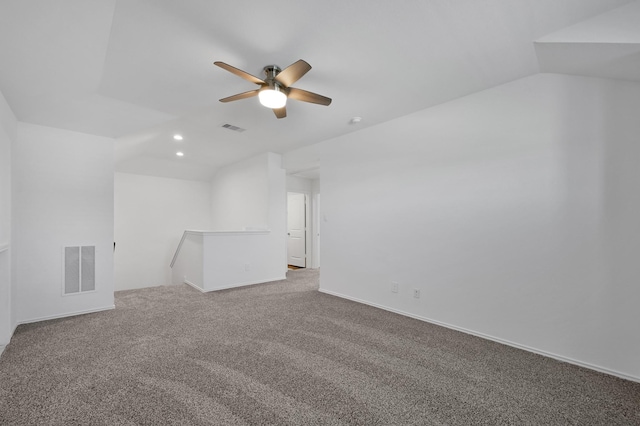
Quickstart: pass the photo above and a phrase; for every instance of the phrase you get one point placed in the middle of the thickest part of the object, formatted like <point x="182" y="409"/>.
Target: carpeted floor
<point x="283" y="353"/>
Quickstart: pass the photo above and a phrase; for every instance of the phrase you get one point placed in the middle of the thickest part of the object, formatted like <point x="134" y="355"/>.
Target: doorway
<point x="296" y="230"/>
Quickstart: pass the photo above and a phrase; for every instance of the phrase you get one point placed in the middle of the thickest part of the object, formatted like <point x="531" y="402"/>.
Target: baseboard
<point x="244" y="284"/>
<point x="68" y="314"/>
<point x="492" y="338"/>
<point x="2" y="349"/>
<point x="194" y="286"/>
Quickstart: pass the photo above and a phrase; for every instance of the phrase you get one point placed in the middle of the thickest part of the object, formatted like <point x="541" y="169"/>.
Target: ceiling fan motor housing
<point x="271" y="71"/>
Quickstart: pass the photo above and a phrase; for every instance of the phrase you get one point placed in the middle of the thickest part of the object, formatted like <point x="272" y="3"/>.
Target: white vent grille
<point x="234" y="128"/>
<point x="71" y="270"/>
<point x="79" y="269"/>
<point x="88" y="268"/>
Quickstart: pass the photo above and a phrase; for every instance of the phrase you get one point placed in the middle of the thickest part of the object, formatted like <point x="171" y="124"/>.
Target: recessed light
<point x="180" y="154"/>
<point x="177" y="137"/>
<point x="355" y="120"/>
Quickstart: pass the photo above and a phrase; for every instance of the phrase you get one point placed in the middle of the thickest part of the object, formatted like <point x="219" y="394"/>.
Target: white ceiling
<point x="140" y="71"/>
<point x="605" y="46"/>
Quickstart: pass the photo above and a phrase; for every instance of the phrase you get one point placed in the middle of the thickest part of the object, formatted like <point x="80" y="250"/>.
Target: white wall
<point x="298" y="184"/>
<point x="620" y="211"/>
<point x="315" y="220"/>
<point x="240" y="196"/>
<point x="211" y="260"/>
<point x="277" y="182"/>
<point x="62" y="185"/>
<point x="251" y="195"/>
<point x="188" y="264"/>
<point x="7" y="135"/>
<point x="151" y="213"/>
<point x="513" y="211"/>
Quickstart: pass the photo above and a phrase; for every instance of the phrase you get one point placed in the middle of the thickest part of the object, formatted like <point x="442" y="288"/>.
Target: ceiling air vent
<point x="234" y="128"/>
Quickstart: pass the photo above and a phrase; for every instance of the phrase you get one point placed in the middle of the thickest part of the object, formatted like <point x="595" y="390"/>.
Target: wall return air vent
<point x="79" y="269"/>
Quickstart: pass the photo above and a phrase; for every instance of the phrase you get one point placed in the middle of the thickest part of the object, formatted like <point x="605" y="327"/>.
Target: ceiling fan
<point x="276" y="87"/>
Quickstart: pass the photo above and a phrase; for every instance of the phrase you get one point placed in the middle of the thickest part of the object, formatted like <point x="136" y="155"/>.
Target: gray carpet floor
<point x="283" y="353"/>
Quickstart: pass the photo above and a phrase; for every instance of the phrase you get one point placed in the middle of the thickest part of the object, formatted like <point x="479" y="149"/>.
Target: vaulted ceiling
<point x="141" y="71"/>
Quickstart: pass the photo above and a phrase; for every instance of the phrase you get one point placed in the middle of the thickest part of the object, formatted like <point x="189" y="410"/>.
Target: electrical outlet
<point x="247" y="267"/>
<point x="394" y="287"/>
<point x="416" y="293"/>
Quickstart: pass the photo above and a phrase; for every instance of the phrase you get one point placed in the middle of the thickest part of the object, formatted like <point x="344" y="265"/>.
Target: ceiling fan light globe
<point x="272" y="98"/>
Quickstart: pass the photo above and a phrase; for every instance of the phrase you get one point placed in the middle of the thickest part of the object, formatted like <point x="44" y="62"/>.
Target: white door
<point x="296" y="241"/>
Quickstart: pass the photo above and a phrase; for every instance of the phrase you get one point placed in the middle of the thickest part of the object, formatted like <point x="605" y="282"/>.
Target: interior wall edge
<point x="66" y="314"/>
<point x="557" y="357"/>
<point x="3" y="345"/>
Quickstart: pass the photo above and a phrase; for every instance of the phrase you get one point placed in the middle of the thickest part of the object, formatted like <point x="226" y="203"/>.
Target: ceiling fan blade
<point x="243" y="95"/>
<point x="293" y="73"/>
<point x="303" y="95"/>
<point x="280" y="112"/>
<point x="239" y="72"/>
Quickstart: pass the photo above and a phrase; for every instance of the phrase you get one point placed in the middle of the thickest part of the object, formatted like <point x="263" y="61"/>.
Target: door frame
<point x="315" y="230"/>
